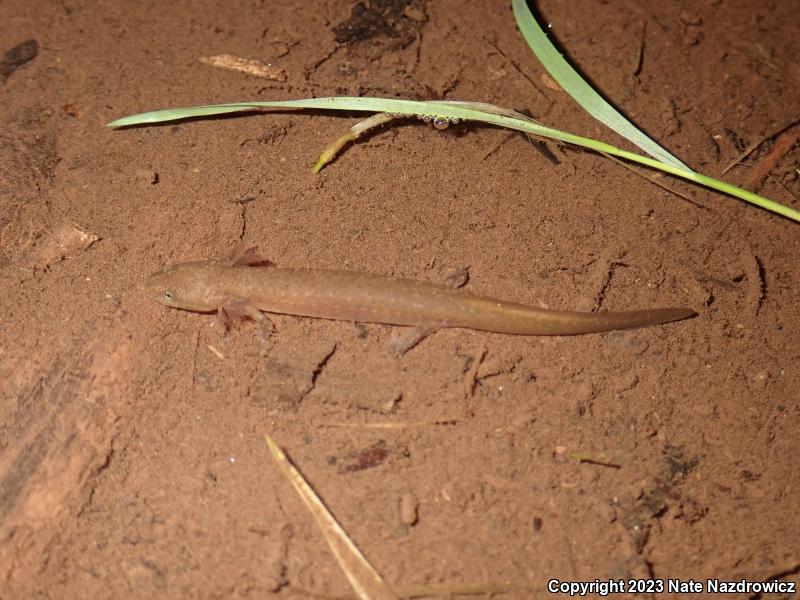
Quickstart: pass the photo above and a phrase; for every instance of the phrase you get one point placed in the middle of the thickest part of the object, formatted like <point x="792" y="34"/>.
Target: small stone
<point x="414" y="13"/>
<point x="147" y="176"/>
<point x="409" y="509"/>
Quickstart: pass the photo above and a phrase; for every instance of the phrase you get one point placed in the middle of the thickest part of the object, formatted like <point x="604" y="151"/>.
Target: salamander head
<point x="190" y="286"/>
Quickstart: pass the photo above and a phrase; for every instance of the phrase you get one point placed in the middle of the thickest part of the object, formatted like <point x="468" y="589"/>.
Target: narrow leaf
<point x="583" y="93"/>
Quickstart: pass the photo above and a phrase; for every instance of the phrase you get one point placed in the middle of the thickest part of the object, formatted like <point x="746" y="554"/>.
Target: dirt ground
<point x="132" y="454"/>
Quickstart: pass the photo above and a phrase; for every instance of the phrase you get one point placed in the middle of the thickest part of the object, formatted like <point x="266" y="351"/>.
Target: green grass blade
<point x="484" y="113"/>
<point x="175" y="114"/>
<point x="584" y="94"/>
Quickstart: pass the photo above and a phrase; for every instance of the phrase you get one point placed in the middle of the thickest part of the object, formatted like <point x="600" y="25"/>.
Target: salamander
<point x="246" y="285"/>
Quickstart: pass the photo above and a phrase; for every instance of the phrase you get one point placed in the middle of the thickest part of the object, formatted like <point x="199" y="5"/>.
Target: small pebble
<point x="537" y="523"/>
<point x="414" y="13"/>
<point x="408" y="509"/>
<point x="147" y="176"/>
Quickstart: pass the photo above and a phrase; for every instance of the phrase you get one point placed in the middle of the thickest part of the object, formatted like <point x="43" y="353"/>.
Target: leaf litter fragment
<point x="244" y="65"/>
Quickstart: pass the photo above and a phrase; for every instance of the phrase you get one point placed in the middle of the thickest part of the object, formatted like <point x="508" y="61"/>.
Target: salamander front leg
<point x="236" y="310"/>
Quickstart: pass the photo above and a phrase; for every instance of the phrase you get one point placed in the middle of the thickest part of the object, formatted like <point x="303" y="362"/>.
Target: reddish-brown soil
<point x="132" y="454"/>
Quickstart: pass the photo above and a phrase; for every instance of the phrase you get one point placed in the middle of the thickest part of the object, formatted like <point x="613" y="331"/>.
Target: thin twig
<point x="364" y="579"/>
<point x="752" y="147"/>
<point x="783" y="144"/>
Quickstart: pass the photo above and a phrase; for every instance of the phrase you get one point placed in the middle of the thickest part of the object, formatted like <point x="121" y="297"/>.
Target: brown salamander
<point x="246" y="284"/>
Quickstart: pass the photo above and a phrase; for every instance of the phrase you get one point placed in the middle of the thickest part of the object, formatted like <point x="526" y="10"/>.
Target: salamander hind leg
<point x="456" y="278"/>
<point x="236" y="310"/>
<point x="400" y="344"/>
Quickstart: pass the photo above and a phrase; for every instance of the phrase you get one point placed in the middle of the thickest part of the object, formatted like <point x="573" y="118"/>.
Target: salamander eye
<point x="168" y="296"/>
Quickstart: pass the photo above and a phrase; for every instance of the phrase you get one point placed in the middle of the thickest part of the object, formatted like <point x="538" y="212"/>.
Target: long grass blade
<point x="485" y="113"/>
<point x="583" y="93"/>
